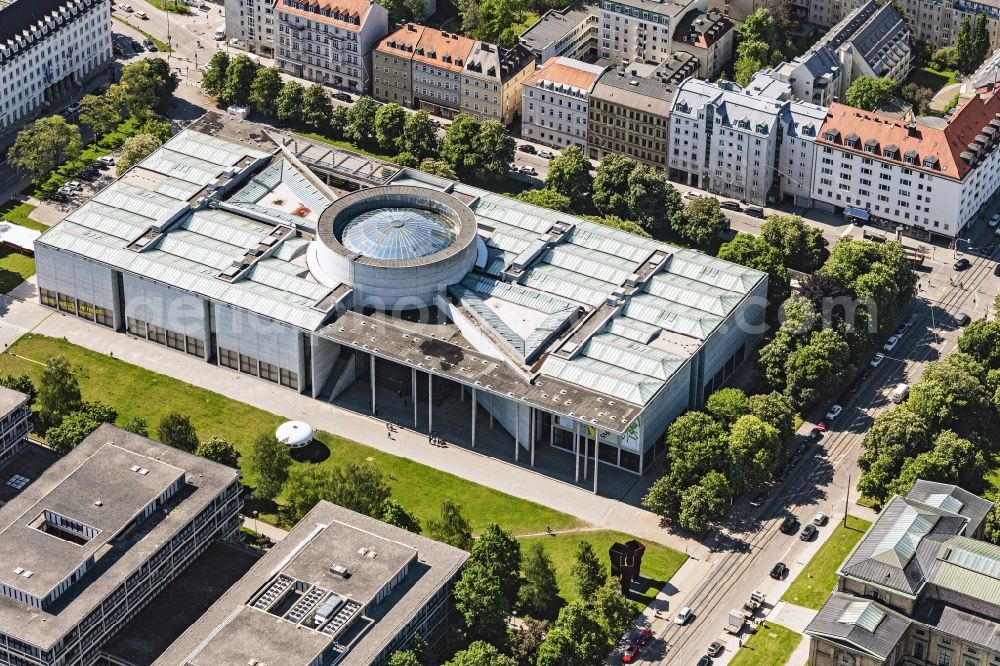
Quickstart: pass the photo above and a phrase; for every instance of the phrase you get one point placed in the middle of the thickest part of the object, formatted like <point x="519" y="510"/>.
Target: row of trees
<point x="763" y="40"/>
<point x="717" y="454"/>
<point x="972" y="44"/>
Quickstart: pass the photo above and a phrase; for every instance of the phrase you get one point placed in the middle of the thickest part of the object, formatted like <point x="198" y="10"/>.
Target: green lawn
<point x="134" y="391"/>
<point x="819" y="578"/>
<point x="659" y="563"/>
<point x="772" y="645"/>
<point x="15" y="268"/>
<point x="17" y="213"/>
<point x="174" y="6"/>
<point x="927" y="77"/>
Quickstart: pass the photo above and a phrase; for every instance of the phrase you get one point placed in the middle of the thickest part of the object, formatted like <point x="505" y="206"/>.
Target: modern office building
<point x="565" y="332"/>
<point x="873" y="40"/>
<point x="15" y="421"/>
<point x="640" y="31"/>
<point x="931" y="175"/>
<point x="709" y="37"/>
<point x="555" y="101"/>
<point x="920" y="589"/>
<point x="492" y="81"/>
<point x="749" y="144"/>
<point x="572" y="32"/>
<point x="91" y="541"/>
<point x="629" y="110"/>
<point x="341" y="588"/>
<point x="48" y="50"/>
<point x="251" y="22"/>
<point x="329" y="41"/>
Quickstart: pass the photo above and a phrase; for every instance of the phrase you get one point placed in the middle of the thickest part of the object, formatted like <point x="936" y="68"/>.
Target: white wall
<point x="74" y="276"/>
<point x="255" y="336"/>
<point x="553" y="118"/>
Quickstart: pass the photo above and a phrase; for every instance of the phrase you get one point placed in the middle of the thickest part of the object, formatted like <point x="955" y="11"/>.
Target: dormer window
<point x="852" y="140"/>
<point x="831" y="134"/>
<point x="892" y="152"/>
<point x="931" y="162"/>
<point x="910" y="157"/>
<point x="871" y="146"/>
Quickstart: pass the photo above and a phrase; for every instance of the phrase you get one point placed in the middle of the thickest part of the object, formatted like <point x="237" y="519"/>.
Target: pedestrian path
<point x="273" y="533"/>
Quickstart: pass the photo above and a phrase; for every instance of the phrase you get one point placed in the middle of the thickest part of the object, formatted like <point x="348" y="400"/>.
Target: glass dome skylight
<point x="398" y="233"/>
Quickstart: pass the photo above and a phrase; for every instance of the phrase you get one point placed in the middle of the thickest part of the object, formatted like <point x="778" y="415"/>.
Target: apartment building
<point x="48" y="50"/>
<point x="931" y="175"/>
<point x="97" y="535"/>
<point x="641" y="30"/>
<point x="392" y="69"/>
<point x="872" y="40"/>
<point x="15" y="421"/>
<point x="340" y="588"/>
<point x="252" y="23"/>
<point x="572" y="32"/>
<point x="492" y="80"/>
<point x="921" y="588"/>
<point x="555" y="102"/>
<point x="707" y="36"/>
<point x="629" y="110"/>
<point x="330" y="41"/>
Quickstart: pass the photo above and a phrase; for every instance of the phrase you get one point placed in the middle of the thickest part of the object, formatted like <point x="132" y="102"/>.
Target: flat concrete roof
<point x="10" y="400"/>
<point x="97" y="469"/>
<point x="234" y="631"/>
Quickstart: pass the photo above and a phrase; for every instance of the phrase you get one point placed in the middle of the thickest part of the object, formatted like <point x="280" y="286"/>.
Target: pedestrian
<point x="430" y="438"/>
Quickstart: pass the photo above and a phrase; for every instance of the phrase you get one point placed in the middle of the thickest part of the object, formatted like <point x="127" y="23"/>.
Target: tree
<point x="526" y="638"/>
<point x="176" y="430"/>
<point x="952" y="460"/>
<point x="950" y="396"/>
<point x="144" y="85"/>
<point x="919" y="96"/>
<point x="870" y="92"/>
<point x="546" y="198"/>
<point x="453" y="528"/>
<point x="240" y="75"/>
<point x="316" y="107"/>
<point x="500" y="552"/>
<point x="362" y="128"/>
<point x="695" y="510"/>
<point x="390" y="121"/>
<point x="727" y="405"/>
<point x="945" y="58"/>
<point x="651" y="199"/>
<point x="163" y="81"/>
<point x="401" y="11"/>
<point x="162" y="130"/>
<point x="219" y="450"/>
<point x="137" y="425"/>
<point x="214" y="79"/>
<point x="481" y="653"/>
<point x="576" y="639"/>
<point x="289" y="106"/>
<point x="22" y="384"/>
<point x="306" y="485"/>
<point x="99" y="113"/>
<point x="420" y="135"/>
<point x="754" y="452"/>
<point x="360" y="487"/>
<point x="496" y="152"/>
<point x="264" y="91"/>
<point x="894" y="435"/>
<point x="965" y="47"/>
<point x="662" y="498"/>
<point x="981" y="340"/>
<point x="438" y="168"/>
<point x="43" y="145"/>
<point x="991" y="527"/>
<point x="802" y="246"/>
<point x="99" y="412"/>
<point x="587" y="572"/>
<point x="817" y="368"/>
<point x="64" y="437"/>
<point x="616" y="222"/>
<point x="696" y="445"/>
<point x="495" y="20"/>
<point x="481" y="604"/>
<point x="404" y="658"/>
<point x="754" y="252"/>
<point x="700" y="221"/>
<point x="339" y="122"/>
<point x="538" y="595"/>
<point x="611" y="185"/>
<point x="760" y="26"/>
<point x="394" y="514"/>
<point x="980" y="41"/>
<point x="269" y="460"/>
<point x="569" y="175"/>
<point x="775" y="410"/>
<point x="58" y="392"/>
<point x="613" y="610"/>
<point x="480" y="151"/>
<point x="744" y="69"/>
<point x="136" y="149"/>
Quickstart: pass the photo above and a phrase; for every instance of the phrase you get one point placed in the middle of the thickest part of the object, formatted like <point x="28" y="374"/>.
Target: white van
<point x="900" y="393"/>
<point x="220" y="33"/>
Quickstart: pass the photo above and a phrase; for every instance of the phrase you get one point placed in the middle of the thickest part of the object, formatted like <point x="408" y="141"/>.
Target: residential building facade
<point x="629" y="110"/>
<point x="572" y="32"/>
<point x="392" y="66"/>
<point x="100" y="533"/>
<point x="252" y="23"/>
<point x="555" y="100"/>
<point x="708" y="36"/>
<point x="48" y="50"/>
<point x="930" y="176"/>
<point x="330" y="42"/>
<point x="15" y="421"/>
<point x="640" y="31"/>
<point x="492" y="81"/>
<point x="920" y="589"/>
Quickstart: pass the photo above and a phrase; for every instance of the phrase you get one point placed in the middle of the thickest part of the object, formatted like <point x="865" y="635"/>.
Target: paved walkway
<point x="943" y="96"/>
<point x="273" y="533"/>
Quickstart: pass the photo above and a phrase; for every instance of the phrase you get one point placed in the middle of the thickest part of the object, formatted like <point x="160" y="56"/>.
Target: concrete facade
<point x="555" y="102"/>
<point x="492" y="81"/>
<point x="252" y="22"/>
<point x="15" y="422"/>
<point x="641" y="30"/>
<point x="572" y="32"/>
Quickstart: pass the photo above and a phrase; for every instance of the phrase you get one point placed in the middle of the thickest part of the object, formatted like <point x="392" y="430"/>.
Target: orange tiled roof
<point x="403" y="42"/>
<point x="447" y="50"/>
<point x="556" y="71"/>
<point x="949" y="150"/>
<point x="356" y="9"/>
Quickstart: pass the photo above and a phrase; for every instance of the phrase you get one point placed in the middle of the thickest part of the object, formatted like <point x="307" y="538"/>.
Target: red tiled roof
<point x="947" y="142"/>
<point x="356" y="9"/>
<point x="450" y="50"/>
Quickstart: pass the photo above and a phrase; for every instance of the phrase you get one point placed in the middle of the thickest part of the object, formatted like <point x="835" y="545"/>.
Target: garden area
<point x="819" y="577"/>
<point x="15" y="267"/>
<point x="772" y="644"/>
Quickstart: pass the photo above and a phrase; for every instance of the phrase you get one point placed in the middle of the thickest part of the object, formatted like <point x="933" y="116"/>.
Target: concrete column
<point x="597" y="459"/>
<point x="491" y="411"/>
<point x="517" y="431"/>
<point x="430" y="402"/>
<point x="533" y="435"/>
<point x="576" y="451"/>
<point x="552" y="429"/>
<point x="413" y="393"/>
<point x="584" y="442"/>
<point x="372" y="378"/>
<point x="473" y="417"/>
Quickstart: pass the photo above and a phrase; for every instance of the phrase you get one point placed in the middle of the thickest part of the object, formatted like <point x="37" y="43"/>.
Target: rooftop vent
<point x="340" y="571"/>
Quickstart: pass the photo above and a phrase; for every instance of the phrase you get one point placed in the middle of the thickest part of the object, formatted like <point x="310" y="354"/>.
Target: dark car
<point x="808" y="532"/>
<point x="962" y="264"/>
<point x="789" y="525"/>
<point x="729" y="205"/>
<point x="996" y="270"/>
<point x="754" y="211"/>
<point x="715" y="649"/>
<point x="705" y="661"/>
<point x="645" y="635"/>
<point x="343" y="97"/>
<point x="758" y="499"/>
<point x="779" y="571"/>
<point x="527" y="148"/>
<point x="963" y="319"/>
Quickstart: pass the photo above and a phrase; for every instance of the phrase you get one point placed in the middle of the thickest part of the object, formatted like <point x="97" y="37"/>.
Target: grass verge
<point x="927" y="77"/>
<point x="771" y="645"/>
<point x="17" y="213"/>
<point x="659" y="563"/>
<point x="15" y="268"/>
<point x="173" y="6"/>
<point x="819" y="577"/>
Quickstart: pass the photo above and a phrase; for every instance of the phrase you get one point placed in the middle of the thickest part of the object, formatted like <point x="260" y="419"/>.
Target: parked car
<point x="125" y="8"/>
<point x="527" y="148"/>
<point x="834" y="412"/>
<point x="891" y="343"/>
<point x="546" y="154"/>
<point x="876" y="360"/>
<point x="528" y="169"/>
<point x="779" y="571"/>
<point x="729" y="205"/>
<point x="820" y="519"/>
<point x="715" y="649"/>
<point x="963" y="319"/>
<point x="66" y="191"/>
<point x="141" y="15"/>
<point x="645" y="635"/>
<point x="74" y="107"/>
<point x="995" y="220"/>
<point x="754" y="211"/>
<point x="808" y="532"/>
<point x="106" y="160"/>
<point x="705" y="661"/>
<point x="148" y="43"/>
<point x="912" y="319"/>
<point x="789" y="525"/>
<point x="343" y="97"/>
<point x="996" y="270"/>
<point x="690" y="195"/>
<point x="74" y="185"/>
<point x="901" y="330"/>
<point x="684" y="616"/>
<point x="758" y="499"/>
<point x="630" y="654"/>
<point x="962" y="264"/>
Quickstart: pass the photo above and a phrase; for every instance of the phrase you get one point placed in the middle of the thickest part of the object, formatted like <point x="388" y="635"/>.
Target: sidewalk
<point x="273" y="533"/>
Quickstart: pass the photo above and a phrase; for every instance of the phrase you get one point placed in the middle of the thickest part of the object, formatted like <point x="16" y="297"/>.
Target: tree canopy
<point x="43" y="145"/>
<point x="269" y="461"/>
<point x="870" y="92"/>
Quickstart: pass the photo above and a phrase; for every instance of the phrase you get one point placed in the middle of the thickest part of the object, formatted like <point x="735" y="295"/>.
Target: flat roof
<point x="556" y="24"/>
<point x="10" y="400"/>
<point x="240" y="627"/>
<point x="99" y="468"/>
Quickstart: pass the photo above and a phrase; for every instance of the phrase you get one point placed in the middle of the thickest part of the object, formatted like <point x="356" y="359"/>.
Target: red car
<point x="631" y="653"/>
<point x="645" y="635"/>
